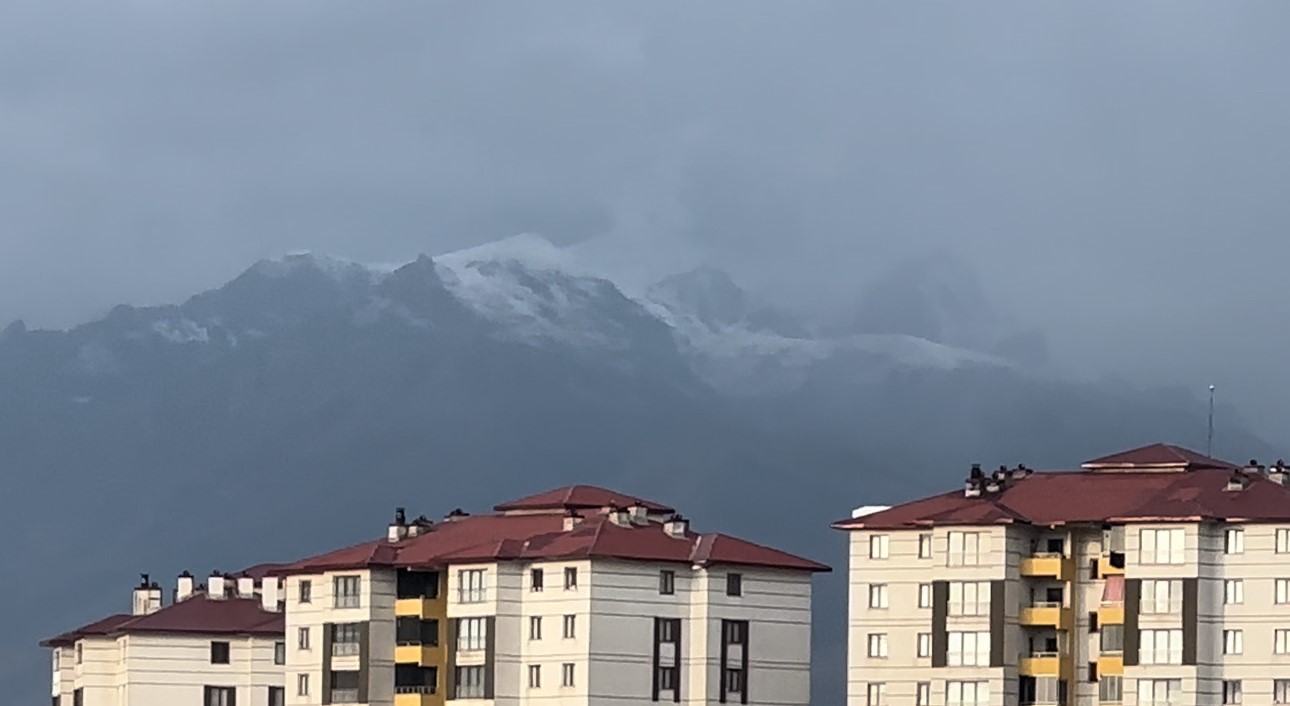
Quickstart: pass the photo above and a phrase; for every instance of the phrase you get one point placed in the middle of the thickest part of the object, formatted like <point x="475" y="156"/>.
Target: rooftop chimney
<point x="571" y="520"/>
<point x="1239" y="480"/>
<point x="456" y="515"/>
<point x="1020" y="471"/>
<point x="399" y="527"/>
<point x="215" y="587"/>
<point x="147" y="597"/>
<point x="975" y="479"/>
<point x="269" y="593"/>
<point x="1277" y="472"/>
<point x="245" y="587"/>
<point x="620" y="517"/>
<point x="639" y="514"/>
<point x="1254" y="468"/>
<point x="676" y="527"/>
<point x="184" y="588"/>
<point x="420" y="526"/>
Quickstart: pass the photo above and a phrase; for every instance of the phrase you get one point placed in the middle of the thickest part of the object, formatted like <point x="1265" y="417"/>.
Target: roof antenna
<point x="1209" y="441"/>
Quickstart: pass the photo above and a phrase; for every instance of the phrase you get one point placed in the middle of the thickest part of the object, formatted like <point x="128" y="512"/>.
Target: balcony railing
<point x="422" y="689"/>
<point x="344" y="696"/>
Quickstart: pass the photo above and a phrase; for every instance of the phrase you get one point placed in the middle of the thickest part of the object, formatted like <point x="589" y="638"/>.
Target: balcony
<point x="420" y="608"/>
<point x="1110" y="614"/>
<point x="421" y="695"/>
<point x="1110" y="565"/>
<point x="1040" y="664"/>
<point x="419" y="655"/>
<point x="1046" y="565"/>
<point x="1110" y="665"/>
<point x="1041" y="615"/>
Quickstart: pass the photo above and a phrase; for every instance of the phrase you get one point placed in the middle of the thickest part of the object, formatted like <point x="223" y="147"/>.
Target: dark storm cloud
<point x="1117" y="172"/>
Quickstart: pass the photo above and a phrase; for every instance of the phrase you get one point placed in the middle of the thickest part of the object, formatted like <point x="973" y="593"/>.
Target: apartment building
<point x="1152" y="577"/>
<point x="579" y="595"/>
<point x="216" y="644"/>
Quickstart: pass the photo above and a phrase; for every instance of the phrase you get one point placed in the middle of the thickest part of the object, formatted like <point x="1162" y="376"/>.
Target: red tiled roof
<point x="578" y="497"/>
<point x="259" y="571"/>
<point x="1163" y="456"/>
<point x="200" y="615"/>
<point x="1195" y="492"/>
<point x="542" y="537"/>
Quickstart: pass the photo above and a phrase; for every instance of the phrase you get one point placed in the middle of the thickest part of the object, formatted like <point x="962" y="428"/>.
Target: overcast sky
<point x="1118" y="173"/>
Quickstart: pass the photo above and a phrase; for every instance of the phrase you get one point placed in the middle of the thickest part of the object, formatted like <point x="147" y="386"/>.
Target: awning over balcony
<point x="1114" y="590"/>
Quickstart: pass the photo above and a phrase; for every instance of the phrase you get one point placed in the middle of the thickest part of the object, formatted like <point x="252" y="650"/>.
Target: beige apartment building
<point x="579" y="595"/>
<point x="214" y="644"/>
<point x="1152" y="577"/>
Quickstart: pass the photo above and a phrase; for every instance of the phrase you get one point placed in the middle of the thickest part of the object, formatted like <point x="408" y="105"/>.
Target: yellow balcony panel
<point x="421" y="655"/>
<point x="1105" y="569"/>
<point x="1110" y="665"/>
<point x="1110" y="614"/>
<point x="415" y="698"/>
<point x="418" y="608"/>
<point x="1040" y="665"/>
<point x="1042" y="616"/>
<point x="1045" y="566"/>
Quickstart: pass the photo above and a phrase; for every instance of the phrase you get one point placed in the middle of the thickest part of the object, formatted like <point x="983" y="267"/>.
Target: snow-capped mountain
<point x="224" y="426"/>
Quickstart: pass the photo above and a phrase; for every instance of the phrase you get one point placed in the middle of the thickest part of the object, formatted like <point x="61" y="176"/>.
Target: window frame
<point x="472" y="586"/>
<point x="925" y="545"/>
<point x="472" y="634"/>
<point x="535" y="676"/>
<point x="1233" y="591"/>
<point x="567" y="673"/>
<point x="570" y="578"/>
<point x="667" y="582"/>
<point x="1172" y="540"/>
<point x="1234" y="540"/>
<point x="302" y="684"/>
<point x="221" y="652"/>
<point x="1232" y="692"/>
<point x="304" y="642"/>
<point x="878" y="647"/>
<point x="879" y="546"/>
<point x="569" y="627"/>
<point x="535" y="628"/>
<point x="923" y="646"/>
<point x="347" y="591"/>
<point x="1233" y="642"/>
<point x="878" y="597"/>
<point x="219" y="696"/>
<point x="734" y="584"/>
<point x="305" y="592"/>
<point x="876" y="693"/>
<point x="280" y="653"/>
<point x="536" y="580"/>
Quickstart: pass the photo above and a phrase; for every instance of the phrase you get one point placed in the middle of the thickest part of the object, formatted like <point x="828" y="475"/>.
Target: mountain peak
<point x="297" y="262"/>
<point x="528" y="249"/>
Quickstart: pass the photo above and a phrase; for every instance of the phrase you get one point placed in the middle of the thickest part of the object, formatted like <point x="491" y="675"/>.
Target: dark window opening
<point x="277" y="696"/>
<point x="736" y="632"/>
<point x="1117" y="560"/>
<point x="411" y="679"/>
<point x="536" y="580"/>
<point x="1054" y="595"/>
<point x="418" y="584"/>
<point x="415" y="631"/>
<point x="1092" y="621"/>
<point x="734" y="681"/>
<point x="1092" y="671"/>
<point x="570" y="578"/>
<point x="219" y="653"/>
<point x="219" y="696"/>
<point x="667" y="582"/>
<point x="734" y="584"/>
<point x="667" y="678"/>
<point x="344" y="687"/>
<point x="1055" y="545"/>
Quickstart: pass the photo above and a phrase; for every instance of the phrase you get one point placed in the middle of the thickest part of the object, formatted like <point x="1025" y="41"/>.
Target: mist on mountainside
<point x="285" y="412"/>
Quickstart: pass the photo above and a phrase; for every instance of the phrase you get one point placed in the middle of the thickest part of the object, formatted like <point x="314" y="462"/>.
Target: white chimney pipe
<point x="269" y="594"/>
<point x="215" y="587"/>
<point x="638" y="513"/>
<point x="146" y="598"/>
<point x="676" y="527"/>
<point x="245" y="587"/>
<point x="572" y="520"/>
<point x="184" y="588"/>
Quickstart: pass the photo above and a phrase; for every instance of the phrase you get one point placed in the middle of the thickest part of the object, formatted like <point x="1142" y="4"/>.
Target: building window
<point x="923" y="694"/>
<point x="219" y="653"/>
<point x="1281" y="642"/>
<point x="667" y="679"/>
<point x="666" y="582"/>
<point x="472" y="634"/>
<point x="967" y="693"/>
<point x="347" y="591"/>
<point x="1234" y="541"/>
<point x="277" y="696"/>
<point x="470" y="586"/>
<point x="1283" y="541"/>
<point x="1110" y="689"/>
<point x="877" y="694"/>
<point x="968" y="649"/>
<point x="736" y="631"/>
<point x="1159" y="692"/>
<point x="924" y="644"/>
<point x="344" y="639"/>
<point x="1233" y="591"/>
<point x="878" y="645"/>
<point x="220" y="696"/>
<point x="302" y="684"/>
<point x="1160" y="647"/>
<point x="1111" y="639"/>
<point x="1283" y="591"/>
<point x="1281" y="691"/>
<point x="279" y="653"/>
<point x="924" y="546"/>
<point x="1233" y="642"/>
<point x="535" y="676"/>
<point x="566" y="675"/>
<point x="1231" y="691"/>
<point x="306" y="591"/>
<point x="1161" y="597"/>
<point x="1162" y="546"/>
<point x="668" y="630"/>
<point x="877" y="595"/>
<point x="80" y="653"/>
<point x="535" y="627"/>
<point x="470" y="682"/>
<point x="535" y="580"/>
<point x="969" y="598"/>
<point x="344" y="687"/>
<point x="734" y="680"/>
<point x="965" y="549"/>
<point x="734" y="584"/>
<point x="570" y="627"/>
<point x="879" y="546"/>
<point x="302" y="638"/>
<point x="924" y="595"/>
<point x="570" y="578"/>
